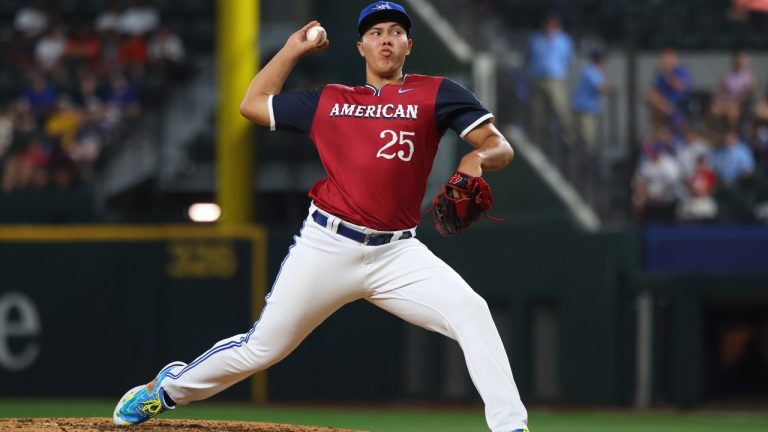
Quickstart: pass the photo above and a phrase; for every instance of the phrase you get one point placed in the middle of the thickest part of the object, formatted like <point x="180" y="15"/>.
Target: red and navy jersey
<point x="377" y="145"/>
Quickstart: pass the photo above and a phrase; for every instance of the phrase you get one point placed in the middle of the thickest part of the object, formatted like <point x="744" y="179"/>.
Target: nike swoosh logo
<point x="401" y="91"/>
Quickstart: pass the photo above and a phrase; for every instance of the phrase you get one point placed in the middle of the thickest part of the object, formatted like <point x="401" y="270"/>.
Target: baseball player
<point x="377" y="142"/>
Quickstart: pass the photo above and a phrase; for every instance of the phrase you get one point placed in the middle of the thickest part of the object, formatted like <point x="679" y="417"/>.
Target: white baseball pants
<point x="324" y="271"/>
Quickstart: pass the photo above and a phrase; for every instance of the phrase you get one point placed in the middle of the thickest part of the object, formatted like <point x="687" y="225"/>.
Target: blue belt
<point x="360" y="237"/>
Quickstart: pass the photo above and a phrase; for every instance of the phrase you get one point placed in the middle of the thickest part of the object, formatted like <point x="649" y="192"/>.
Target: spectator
<point x="759" y="144"/>
<point x="663" y="140"/>
<point x="670" y="87"/>
<point x="61" y="170"/>
<point x="86" y="95"/>
<point x="700" y="184"/>
<point x="703" y="180"/>
<point x="761" y="108"/>
<point x="6" y="132"/>
<point x="83" y="48"/>
<point x="694" y="147"/>
<point x="586" y="100"/>
<point x="736" y="89"/>
<point x="109" y="20"/>
<point x="63" y="123"/>
<point x="110" y="50"/>
<point x="24" y="124"/>
<point x="123" y="99"/>
<point x="24" y="131"/>
<point x="41" y="97"/>
<point x="655" y="187"/>
<point x="20" y="54"/>
<point x="733" y="160"/>
<point x="549" y="56"/>
<point x="132" y="55"/>
<point x="29" y="169"/>
<point x="139" y="19"/>
<point x="50" y="49"/>
<point x="32" y="20"/>
<point x="166" y="52"/>
<point x="88" y="145"/>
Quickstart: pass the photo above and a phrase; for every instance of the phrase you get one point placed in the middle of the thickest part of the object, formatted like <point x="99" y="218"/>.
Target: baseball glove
<point x="460" y="203"/>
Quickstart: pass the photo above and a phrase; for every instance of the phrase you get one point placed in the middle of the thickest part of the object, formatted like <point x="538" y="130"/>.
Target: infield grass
<point x="389" y="419"/>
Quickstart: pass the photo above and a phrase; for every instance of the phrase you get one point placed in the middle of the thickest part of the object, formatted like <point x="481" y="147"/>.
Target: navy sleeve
<point x="293" y="111"/>
<point x="457" y="108"/>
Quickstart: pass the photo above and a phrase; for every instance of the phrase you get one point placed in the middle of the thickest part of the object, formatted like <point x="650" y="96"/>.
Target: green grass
<point x="389" y="419"/>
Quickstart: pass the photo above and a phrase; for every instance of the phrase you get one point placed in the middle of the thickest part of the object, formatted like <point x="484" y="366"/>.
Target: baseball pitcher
<point x="377" y="142"/>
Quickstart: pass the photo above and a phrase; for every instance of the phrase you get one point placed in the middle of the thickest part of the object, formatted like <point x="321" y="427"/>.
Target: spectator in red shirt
<point x="700" y="185"/>
<point x="703" y="180"/>
<point x="83" y="48"/>
<point x="132" y="55"/>
<point x="29" y="169"/>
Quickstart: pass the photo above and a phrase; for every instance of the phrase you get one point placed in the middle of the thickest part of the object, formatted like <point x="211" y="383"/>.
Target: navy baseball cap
<point x="382" y="11"/>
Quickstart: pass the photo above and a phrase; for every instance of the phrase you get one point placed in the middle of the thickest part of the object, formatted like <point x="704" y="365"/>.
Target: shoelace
<point x="151" y="407"/>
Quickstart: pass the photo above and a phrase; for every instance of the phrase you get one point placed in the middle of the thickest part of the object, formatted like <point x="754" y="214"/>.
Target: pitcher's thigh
<point x="307" y="290"/>
<point x="429" y="293"/>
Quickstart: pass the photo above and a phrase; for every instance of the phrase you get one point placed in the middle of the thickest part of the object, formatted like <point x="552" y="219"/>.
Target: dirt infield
<point x="102" y="424"/>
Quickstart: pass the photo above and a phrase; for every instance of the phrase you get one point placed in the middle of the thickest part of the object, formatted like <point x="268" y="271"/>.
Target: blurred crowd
<point x="706" y="154"/>
<point x="703" y="164"/>
<point x="81" y="84"/>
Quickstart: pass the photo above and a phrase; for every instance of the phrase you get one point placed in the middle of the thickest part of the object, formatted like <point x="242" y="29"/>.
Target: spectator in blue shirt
<point x="670" y="87"/>
<point x="586" y="100"/>
<point x="733" y="160"/>
<point x="549" y="56"/>
<point x="41" y="97"/>
<point x="122" y="98"/>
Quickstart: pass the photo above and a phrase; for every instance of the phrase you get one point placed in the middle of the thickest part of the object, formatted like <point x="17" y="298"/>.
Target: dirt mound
<point x="103" y="424"/>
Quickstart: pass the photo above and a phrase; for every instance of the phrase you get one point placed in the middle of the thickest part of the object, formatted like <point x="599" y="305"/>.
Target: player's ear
<point x="410" y="47"/>
<point x="360" y="48"/>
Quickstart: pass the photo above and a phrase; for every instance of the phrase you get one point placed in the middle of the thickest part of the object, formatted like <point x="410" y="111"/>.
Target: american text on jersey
<point x="393" y="111"/>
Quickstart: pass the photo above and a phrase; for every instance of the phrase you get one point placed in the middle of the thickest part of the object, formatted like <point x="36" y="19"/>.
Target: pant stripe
<point x="247" y="337"/>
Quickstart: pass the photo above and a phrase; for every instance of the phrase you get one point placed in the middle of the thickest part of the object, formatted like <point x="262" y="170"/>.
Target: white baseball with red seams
<point x="314" y="32"/>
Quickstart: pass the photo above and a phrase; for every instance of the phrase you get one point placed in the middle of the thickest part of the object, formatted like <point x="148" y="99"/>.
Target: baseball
<point x="313" y="32"/>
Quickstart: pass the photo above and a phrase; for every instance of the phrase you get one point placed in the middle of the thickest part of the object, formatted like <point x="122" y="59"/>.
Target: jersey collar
<point x="377" y="91"/>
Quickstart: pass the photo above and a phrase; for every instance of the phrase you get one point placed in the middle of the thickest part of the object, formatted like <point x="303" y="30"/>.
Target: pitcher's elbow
<point x="245" y="111"/>
<point x="509" y="155"/>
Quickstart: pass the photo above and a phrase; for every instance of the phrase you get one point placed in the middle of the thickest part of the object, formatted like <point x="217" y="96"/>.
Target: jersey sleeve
<point x="594" y="78"/>
<point x="457" y="108"/>
<point x="293" y="111"/>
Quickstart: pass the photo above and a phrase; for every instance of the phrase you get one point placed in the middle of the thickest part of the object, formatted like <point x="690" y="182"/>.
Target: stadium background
<point x="103" y="274"/>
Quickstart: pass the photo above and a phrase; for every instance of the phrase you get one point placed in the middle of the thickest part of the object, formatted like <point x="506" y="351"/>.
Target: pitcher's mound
<point x="103" y="424"/>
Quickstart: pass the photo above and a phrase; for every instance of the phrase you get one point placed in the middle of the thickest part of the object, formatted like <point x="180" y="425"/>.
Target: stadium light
<point x="204" y="212"/>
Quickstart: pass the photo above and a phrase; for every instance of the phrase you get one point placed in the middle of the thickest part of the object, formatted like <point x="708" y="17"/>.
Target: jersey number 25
<point x="391" y="153"/>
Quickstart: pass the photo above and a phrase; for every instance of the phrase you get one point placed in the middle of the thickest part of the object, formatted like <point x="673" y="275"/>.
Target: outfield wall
<point x="90" y="311"/>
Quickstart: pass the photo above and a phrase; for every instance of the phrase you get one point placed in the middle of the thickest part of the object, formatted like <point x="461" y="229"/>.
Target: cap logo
<point x="382" y="11"/>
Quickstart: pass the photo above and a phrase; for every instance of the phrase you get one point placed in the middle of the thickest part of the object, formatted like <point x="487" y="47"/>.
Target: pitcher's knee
<point x="474" y="306"/>
<point x="259" y="356"/>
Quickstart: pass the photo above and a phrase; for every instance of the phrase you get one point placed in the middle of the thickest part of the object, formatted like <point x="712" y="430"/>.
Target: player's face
<point x="668" y="61"/>
<point x="385" y="47"/>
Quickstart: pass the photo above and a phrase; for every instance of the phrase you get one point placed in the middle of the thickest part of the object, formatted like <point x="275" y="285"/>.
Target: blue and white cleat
<point x="143" y="402"/>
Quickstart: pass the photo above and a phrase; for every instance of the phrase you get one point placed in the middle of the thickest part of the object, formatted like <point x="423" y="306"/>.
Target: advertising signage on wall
<point x="115" y="302"/>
